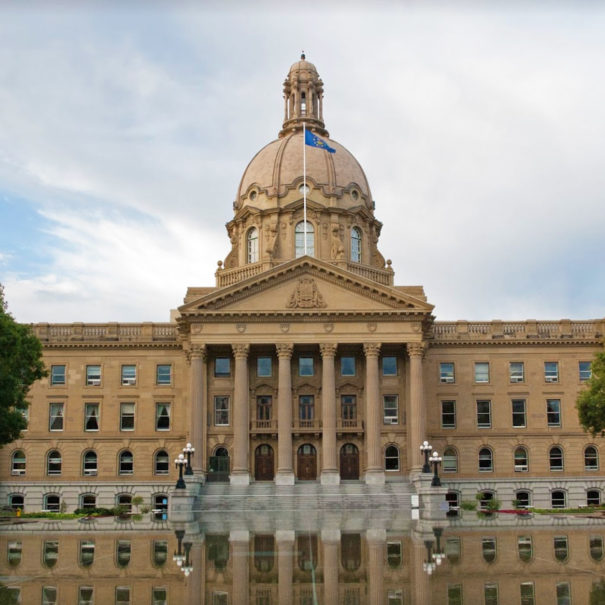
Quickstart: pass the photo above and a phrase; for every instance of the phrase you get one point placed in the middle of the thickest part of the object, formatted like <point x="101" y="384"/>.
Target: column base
<point x="330" y="478"/>
<point x="374" y="478"/>
<point x="239" y="478"/>
<point x="284" y="478"/>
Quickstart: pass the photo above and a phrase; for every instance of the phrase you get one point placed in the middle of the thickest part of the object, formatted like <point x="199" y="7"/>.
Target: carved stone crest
<point x="306" y="295"/>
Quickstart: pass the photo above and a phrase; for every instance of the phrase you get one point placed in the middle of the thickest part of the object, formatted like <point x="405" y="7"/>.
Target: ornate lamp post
<point x="186" y="567"/>
<point x="435" y="461"/>
<point x="188" y="450"/>
<point x="180" y="463"/>
<point x="438" y="555"/>
<point x="178" y="556"/>
<point x="426" y="448"/>
<point x="429" y="565"/>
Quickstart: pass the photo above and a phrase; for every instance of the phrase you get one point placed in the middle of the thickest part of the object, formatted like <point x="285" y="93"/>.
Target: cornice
<point x="112" y="345"/>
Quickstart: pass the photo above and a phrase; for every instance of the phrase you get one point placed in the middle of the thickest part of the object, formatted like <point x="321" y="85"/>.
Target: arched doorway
<point x="218" y="467"/>
<point x="306" y="462"/>
<point x="349" y="461"/>
<point x="264" y="463"/>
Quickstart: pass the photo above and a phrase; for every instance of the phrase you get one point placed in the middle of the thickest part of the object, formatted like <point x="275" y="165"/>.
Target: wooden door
<point x="264" y="463"/>
<point x="349" y="461"/>
<point x="307" y="462"/>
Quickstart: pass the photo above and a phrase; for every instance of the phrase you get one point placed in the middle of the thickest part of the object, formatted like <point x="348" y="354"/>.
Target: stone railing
<point x="227" y="277"/>
<point x="381" y="276"/>
<point x="489" y="331"/>
<point x="80" y="332"/>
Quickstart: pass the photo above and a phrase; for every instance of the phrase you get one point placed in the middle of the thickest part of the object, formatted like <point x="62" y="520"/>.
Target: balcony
<point x="263" y="427"/>
<point x="301" y="426"/>
<point x="349" y="426"/>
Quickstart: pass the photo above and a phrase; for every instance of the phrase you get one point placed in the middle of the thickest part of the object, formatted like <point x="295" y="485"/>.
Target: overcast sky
<point x="124" y="133"/>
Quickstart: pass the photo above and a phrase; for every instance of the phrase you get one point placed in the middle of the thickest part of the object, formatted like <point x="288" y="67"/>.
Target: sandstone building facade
<point x="305" y="362"/>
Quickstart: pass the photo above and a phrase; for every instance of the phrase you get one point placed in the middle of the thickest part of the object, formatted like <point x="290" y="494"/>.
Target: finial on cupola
<point x="302" y="56"/>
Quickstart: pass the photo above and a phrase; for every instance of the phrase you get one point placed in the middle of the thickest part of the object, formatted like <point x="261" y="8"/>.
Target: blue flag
<point x="314" y="141"/>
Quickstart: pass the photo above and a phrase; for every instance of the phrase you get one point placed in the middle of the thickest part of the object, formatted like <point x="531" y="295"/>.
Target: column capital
<point x="371" y="349"/>
<point x="284" y="350"/>
<point x="328" y="350"/>
<point x="198" y="351"/>
<point x="416" y="349"/>
<point x="240" y="351"/>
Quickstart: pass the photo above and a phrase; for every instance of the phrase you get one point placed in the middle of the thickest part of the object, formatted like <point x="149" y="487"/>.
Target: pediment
<point x="306" y="286"/>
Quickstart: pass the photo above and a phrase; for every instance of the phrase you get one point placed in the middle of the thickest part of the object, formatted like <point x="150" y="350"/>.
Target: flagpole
<point x="304" y="186"/>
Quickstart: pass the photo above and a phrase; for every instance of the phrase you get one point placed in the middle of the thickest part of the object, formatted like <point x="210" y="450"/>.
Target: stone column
<point x="285" y="565"/>
<point x="198" y="417"/>
<point x="419" y="578"/>
<point x="240" y="474"/>
<point x="329" y="471"/>
<point x="285" y="469"/>
<point x="416" y="423"/>
<point x="330" y="540"/>
<point x="196" y="578"/>
<point x="376" y="539"/>
<point x="240" y="550"/>
<point x="375" y="466"/>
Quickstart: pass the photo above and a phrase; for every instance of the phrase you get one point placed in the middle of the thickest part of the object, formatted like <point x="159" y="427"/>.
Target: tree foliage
<point x="591" y="401"/>
<point x="20" y="366"/>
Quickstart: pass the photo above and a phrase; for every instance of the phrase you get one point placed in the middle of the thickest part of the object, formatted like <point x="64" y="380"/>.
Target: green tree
<point x="20" y="366"/>
<point x="591" y="401"/>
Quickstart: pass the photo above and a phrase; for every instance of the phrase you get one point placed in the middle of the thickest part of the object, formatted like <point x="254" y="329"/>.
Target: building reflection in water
<point x="505" y="561"/>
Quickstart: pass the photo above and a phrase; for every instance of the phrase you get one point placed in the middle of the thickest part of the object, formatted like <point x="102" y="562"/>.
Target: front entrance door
<point x="218" y="466"/>
<point x="306" y="459"/>
<point x="349" y="461"/>
<point x="263" y="463"/>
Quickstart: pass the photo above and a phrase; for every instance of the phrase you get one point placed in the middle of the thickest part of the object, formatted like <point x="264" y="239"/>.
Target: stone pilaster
<point x="416" y="420"/>
<point x="376" y="540"/>
<point x="285" y="565"/>
<point x="330" y="540"/>
<point x="240" y="549"/>
<point x="240" y="474"/>
<point x="285" y="469"/>
<point x="375" y="466"/>
<point x="198" y="428"/>
<point x="329" y="471"/>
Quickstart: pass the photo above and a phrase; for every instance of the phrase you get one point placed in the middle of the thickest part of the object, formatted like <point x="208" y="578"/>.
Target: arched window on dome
<point x="253" y="245"/>
<point x="299" y="237"/>
<point x="356" y="245"/>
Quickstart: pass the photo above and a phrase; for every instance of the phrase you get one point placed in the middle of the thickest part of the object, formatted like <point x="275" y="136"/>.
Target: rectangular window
<point x="524" y="548"/>
<point x="516" y="371"/>
<point x="57" y="375"/>
<point x="306" y="407"/>
<point x="122" y="595"/>
<point x="129" y="375"/>
<point x="93" y="376"/>
<point x="519" y="418"/>
<point x="264" y="405"/>
<point x="221" y="410"/>
<point x="163" y="374"/>
<point x="551" y="371"/>
<point x="55" y="421"/>
<point x="159" y="596"/>
<point x="162" y="416"/>
<point x="490" y="593"/>
<point x="563" y="593"/>
<point x="305" y="366"/>
<point x="348" y="409"/>
<point x="222" y="367"/>
<point x="347" y="366"/>
<point x="160" y="552"/>
<point x="391" y="409"/>
<point x="389" y="366"/>
<point x="488" y="548"/>
<point x="527" y="593"/>
<point x="585" y="369"/>
<point x="264" y="367"/>
<point x="86" y="595"/>
<point x="15" y="550"/>
<point x="454" y="594"/>
<point x="91" y="416"/>
<point x="446" y="372"/>
<point x="49" y="595"/>
<point x="561" y="548"/>
<point x="481" y="372"/>
<point x="87" y="553"/>
<point x="448" y="414"/>
<point x="127" y="416"/>
<point x="452" y="549"/>
<point x="484" y="414"/>
<point x="553" y="412"/>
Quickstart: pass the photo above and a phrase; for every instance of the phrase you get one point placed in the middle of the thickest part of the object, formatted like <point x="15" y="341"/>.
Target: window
<point x="129" y="375"/>
<point x="519" y="419"/>
<point x="454" y="594"/>
<point x="446" y="372"/>
<point x="122" y="595"/>
<point x="162" y="416"/>
<point x="527" y="593"/>
<point x="160" y="507"/>
<point x="557" y="498"/>
<point x="488" y="548"/>
<point x="159" y="596"/>
<point x="89" y="463"/>
<point x="391" y="409"/>
<point x="252" y="245"/>
<point x="561" y="548"/>
<point x="163" y="374"/>
<point x="516" y="371"/>
<point x="485" y="460"/>
<point x="221" y="410"/>
<point x="306" y="407"/>
<point x="123" y="553"/>
<point x="161" y="463"/>
<point x="484" y="414"/>
<point x="50" y="553"/>
<point x="485" y="498"/>
<point x="160" y="552"/>
<point x="452" y="549"/>
<point x="553" y="412"/>
<point x="305" y="366"/>
<point x="15" y="551"/>
<point x="53" y="463"/>
<point x="93" y="376"/>
<point x="551" y="371"/>
<point x="299" y="236"/>
<point x="450" y="460"/>
<point x="490" y="594"/>
<point x="264" y="405"/>
<point x="591" y="458"/>
<point x="585" y="369"/>
<point x="524" y="548"/>
<point x="596" y="547"/>
<point x="52" y="503"/>
<point x="347" y="366"/>
<point x="18" y="462"/>
<point x="91" y="416"/>
<point x="88" y="501"/>
<point x="57" y="375"/>
<point x="453" y="503"/>
<point x="522" y="499"/>
<point x="49" y="595"/>
<point x="16" y="502"/>
<point x="222" y="367"/>
<point x="264" y="367"/>
<point x="593" y="497"/>
<point x="448" y="414"/>
<point x="55" y="420"/>
<point x="356" y="245"/>
<point x="563" y="593"/>
<point x="86" y="595"/>
<point x="124" y="501"/>
<point x="127" y="416"/>
<point x="481" y="372"/>
<point x="126" y="463"/>
<point x="556" y="458"/>
<point x="521" y="460"/>
<point x="348" y="409"/>
<point x="394" y="555"/>
<point x="391" y="458"/>
<point x="389" y="366"/>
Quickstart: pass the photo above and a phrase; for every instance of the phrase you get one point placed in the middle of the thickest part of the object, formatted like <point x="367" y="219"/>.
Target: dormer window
<point x="356" y="245"/>
<point x="253" y="245"/>
<point x="303" y="104"/>
<point x="299" y="236"/>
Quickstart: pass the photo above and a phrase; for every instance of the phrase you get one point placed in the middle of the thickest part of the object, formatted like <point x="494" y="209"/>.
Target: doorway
<point x="306" y="462"/>
<point x="349" y="462"/>
<point x="264" y="463"/>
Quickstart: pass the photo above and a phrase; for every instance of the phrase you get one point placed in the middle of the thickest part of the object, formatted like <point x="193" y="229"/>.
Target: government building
<point x="306" y="363"/>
